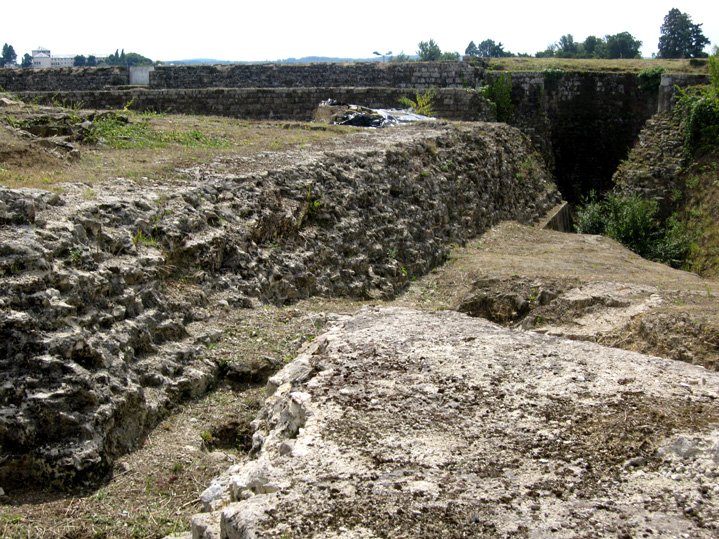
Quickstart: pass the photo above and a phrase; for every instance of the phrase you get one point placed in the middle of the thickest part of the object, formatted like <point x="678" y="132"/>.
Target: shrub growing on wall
<point x="698" y="110"/>
<point x="651" y="78"/>
<point x="499" y="93"/>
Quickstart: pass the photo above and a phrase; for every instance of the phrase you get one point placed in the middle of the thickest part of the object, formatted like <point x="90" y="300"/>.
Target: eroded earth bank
<point x="404" y="419"/>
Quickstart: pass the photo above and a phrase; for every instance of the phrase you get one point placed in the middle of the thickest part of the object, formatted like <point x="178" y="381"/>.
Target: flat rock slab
<point x="400" y="423"/>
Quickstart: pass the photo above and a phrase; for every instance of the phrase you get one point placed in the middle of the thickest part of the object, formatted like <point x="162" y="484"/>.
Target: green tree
<point x="429" y="51"/>
<point x="113" y="59"/>
<point x="8" y="54"/>
<point x="489" y="49"/>
<point x="134" y="59"/>
<point x="117" y="59"/>
<point x="714" y="70"/>
<point x="80" y="61"/>
<point x="91" y="61"/>
<point x="622" y="45"/>
<point x="26" y="61"/>
<point x="449" y="56"/>
<point x="680" y="38"/>
<point x="549" y="52"/>
<point x="593" y="46"/>
<point x="567" y="47"/>
<point x="471" y="49"/>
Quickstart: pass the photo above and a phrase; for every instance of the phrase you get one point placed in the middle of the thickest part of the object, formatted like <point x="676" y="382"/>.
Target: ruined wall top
<point x="319" y="75"/>
<point x="359" y="74"/>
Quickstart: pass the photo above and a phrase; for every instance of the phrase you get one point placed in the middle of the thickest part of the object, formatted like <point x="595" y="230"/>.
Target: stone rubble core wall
<point x="436" y="425"/>
<point x="103" y="297"/>
<point x="654" y="165"/>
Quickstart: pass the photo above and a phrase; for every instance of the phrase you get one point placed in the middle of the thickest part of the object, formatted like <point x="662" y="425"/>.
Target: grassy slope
<point x="700" y="212"/>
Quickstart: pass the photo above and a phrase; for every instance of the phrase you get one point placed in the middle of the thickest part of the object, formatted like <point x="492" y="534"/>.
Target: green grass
<point x="123" y="132"/>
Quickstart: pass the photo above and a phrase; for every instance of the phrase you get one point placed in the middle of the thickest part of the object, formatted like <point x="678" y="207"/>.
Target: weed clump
<point x="117" y="131"/>
<point x="423" y="104"/>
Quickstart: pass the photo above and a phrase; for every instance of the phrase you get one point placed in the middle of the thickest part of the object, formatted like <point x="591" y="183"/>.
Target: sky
<point x="260" y="30"/>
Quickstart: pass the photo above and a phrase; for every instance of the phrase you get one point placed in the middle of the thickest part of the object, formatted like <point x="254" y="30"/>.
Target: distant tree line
<point x="622" y="45"/>
<point x="9" y="58"/>
<point x="116" y="59"/>
<point x="679" y="38"/>
<point x="487" y="49"/>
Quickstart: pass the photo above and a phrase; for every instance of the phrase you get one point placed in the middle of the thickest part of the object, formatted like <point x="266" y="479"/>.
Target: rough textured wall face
<point x="59" y="79"/>
<point x="360" y="74"/>
<point x="94" y="344"/>
<point x="299" y="104"/>
<point x="583" y="123"/>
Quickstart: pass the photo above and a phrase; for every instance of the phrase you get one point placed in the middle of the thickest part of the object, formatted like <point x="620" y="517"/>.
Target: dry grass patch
<point x="140" y="145"/>
<point x="595" y="65"/>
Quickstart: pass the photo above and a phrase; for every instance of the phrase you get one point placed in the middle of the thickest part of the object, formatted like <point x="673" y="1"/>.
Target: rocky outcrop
<point x="104" y="293"/>
<point x="415" y="424"/>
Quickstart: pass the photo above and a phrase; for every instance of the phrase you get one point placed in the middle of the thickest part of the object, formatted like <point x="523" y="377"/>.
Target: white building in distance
<point x="41" y="58"/>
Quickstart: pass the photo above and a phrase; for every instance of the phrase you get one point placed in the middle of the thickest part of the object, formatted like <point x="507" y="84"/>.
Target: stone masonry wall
<point x="359" y="74"/>
<point x="62" y="79"/>
<point x="298" y="104"/>
<point x="583" y="123"/>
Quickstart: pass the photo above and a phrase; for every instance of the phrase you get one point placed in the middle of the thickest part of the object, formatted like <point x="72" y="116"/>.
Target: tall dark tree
<point x="680" y="38"/>
<point x="622" y="45"/>
<point x="8" y="54"/>
<point x="91" y="61"/>
<point x="471" y="49"/>
<point x="26" y="61"/>
<point x="79" y="61"/>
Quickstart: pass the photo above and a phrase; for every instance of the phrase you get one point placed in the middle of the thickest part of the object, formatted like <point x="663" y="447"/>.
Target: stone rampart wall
<point x="583" y="123"/>
<point x="62" y="79"/>
<point x="360" y="74"/>
<point x="297" y="104"/>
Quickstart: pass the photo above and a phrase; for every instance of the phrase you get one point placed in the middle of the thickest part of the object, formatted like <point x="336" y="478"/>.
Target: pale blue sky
<point x="280" y="29"/>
